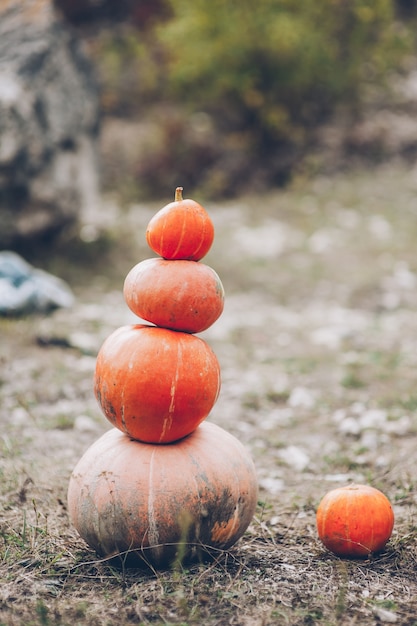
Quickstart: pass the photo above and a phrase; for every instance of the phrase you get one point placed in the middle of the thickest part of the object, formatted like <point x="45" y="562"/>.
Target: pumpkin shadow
<point x="173" y="556"/>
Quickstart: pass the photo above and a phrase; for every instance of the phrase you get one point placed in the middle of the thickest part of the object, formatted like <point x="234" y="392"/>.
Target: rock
<point x="301" y="397"/>
<point x="84" y="423"/>
<point x="48" y="124"/>
<point x="383" y="615"/>
<point x="295" y="457"/>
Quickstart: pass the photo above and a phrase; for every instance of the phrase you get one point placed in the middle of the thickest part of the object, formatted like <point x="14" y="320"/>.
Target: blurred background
<point x="295" y="125"/>
<point x="226" y="98"/>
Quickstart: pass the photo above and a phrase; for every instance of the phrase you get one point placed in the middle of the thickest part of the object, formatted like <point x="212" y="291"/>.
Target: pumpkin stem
<point x="178" y="194"/>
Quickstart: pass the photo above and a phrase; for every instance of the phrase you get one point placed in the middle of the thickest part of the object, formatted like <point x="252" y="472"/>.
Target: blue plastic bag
<point x="25" y="289"/>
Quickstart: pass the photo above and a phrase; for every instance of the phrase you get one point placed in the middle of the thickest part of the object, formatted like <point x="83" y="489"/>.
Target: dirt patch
<point x="318" y="350"/>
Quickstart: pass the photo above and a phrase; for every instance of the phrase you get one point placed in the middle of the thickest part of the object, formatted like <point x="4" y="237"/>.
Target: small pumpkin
<point x="156" y="385"/>
<point x="181" y="295"/>
<point x="154" y="503"/>
<point x="355" y="520"/>
<point x="181" y="230"/>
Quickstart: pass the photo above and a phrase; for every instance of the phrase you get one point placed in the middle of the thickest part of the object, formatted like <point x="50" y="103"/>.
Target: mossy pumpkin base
<point x="154" y="502"/>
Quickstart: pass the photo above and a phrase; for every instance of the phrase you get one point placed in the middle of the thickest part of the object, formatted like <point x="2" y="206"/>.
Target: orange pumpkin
<point x="156" y="385"/>
<point x="355" y="520"/>
<point x="181" y="230"/>
<point x="181" y="295"/>
<point x="154" y="502"/>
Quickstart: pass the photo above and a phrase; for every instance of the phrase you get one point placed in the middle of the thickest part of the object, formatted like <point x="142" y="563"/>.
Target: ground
<point x="318" y="350"/>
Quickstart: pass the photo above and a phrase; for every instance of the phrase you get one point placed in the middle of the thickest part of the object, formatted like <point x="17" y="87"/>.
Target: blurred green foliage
<point x="264" y="72"/>
<point x="130" y="68"/>
<point x="277" y="65"/>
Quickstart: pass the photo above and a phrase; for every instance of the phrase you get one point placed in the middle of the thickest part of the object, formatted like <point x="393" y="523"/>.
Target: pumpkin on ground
<point x="181" y="230"/>
<point x="159" y="503"/>
<point x="156" y="385"/>
<point x="181" y="295"/>
<point x="355" y="520"/>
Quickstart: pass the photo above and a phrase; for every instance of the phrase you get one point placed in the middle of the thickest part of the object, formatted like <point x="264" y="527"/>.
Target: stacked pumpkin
<point x="164" y="482"/>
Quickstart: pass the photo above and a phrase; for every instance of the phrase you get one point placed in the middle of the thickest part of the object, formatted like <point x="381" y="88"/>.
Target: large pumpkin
<point x="355" y="520"/>
<point x="181" y="230"/>
<point x="181" y="295"/>
<point x="159" y="502"/>
<point x="156" y="385"/>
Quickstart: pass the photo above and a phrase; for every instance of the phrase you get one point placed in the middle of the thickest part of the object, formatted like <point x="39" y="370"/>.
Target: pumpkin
<point x="156" y="503"/>
<point x="355" y="520"/>
<point x="181" y="230"/>
<point x="156" y="385"/>
<point x="181" y="295"/>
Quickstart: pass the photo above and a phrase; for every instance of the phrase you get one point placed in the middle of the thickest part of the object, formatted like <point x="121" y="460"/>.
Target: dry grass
<point x="281" y="577"/>
<point x="318" y="352"/>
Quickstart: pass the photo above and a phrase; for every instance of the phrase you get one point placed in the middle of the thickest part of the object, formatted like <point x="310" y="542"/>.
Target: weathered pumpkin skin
<point x="156" y="385"/>
<point x="181" y="230"/>
<point x="157" y="501"/>
<point x="355" y="520"/>
<point x="180" y="295"/>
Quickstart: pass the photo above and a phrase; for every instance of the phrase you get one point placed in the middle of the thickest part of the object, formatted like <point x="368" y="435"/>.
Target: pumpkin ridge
<point x="152" y="531"/>
<point x="202" y="235"/>
<point x="122" y="410"/>
<point x="167" y="423"/>
<point x="180" y="238"/>
<point x="122" y="413"/>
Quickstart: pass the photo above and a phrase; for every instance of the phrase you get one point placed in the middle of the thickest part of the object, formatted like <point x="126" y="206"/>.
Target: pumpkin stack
<point x="164" y="484"/>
